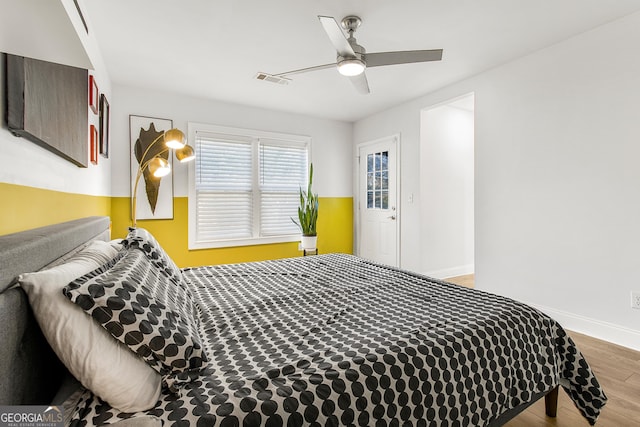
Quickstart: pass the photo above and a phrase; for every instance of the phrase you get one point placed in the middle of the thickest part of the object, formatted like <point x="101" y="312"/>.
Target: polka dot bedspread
<point x="335" y="340"/>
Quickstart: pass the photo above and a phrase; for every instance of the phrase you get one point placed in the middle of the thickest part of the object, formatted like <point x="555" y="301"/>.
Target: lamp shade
<point x="159" y="167"/>
<point x="185" y="154"/>
<point x="351" y="67"/>
<point x="174" y="139"/>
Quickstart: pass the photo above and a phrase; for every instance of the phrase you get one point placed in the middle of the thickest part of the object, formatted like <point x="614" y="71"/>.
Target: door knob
<point x="392" y="217"/>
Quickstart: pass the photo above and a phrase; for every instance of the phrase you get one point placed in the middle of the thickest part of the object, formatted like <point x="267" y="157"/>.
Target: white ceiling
<point x="213" y="49"/>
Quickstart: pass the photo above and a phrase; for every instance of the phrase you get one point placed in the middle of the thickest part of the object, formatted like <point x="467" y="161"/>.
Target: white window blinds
<point x="246" y="188"/>
<point x="223" y="188"/>
<point x="283" y="169"/>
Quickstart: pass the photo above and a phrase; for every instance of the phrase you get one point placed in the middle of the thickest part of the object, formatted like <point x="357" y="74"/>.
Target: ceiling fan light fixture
<point x="351" y="67"/>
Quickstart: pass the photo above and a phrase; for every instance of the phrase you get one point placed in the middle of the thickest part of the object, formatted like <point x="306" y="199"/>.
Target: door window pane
<point x="378" y="180"/>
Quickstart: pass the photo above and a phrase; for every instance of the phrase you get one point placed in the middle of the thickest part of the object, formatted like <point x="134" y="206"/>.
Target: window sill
<point x="242" y="242"/>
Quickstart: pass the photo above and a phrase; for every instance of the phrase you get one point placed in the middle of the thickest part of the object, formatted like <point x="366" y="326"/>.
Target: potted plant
<point x="308" y="215"/>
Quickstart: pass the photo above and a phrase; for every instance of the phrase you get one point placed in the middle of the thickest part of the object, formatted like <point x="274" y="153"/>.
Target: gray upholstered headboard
<point x="30" y="373"/>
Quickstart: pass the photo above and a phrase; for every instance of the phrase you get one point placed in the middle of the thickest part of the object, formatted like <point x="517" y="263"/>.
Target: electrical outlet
<point x="635" y="300"/>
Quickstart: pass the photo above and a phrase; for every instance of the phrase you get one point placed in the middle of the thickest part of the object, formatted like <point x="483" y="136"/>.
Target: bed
<point x="321" y="340"/>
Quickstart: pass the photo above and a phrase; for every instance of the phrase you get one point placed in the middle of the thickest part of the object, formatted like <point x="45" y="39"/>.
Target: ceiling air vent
<point x="273" y="79"/>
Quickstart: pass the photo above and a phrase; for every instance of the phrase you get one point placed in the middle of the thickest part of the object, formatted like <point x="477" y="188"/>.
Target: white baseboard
<point x="595" y="328"/>
<point x="451" y="272"/>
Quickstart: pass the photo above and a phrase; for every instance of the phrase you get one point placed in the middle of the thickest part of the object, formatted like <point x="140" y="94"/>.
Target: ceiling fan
<point x="352" y="58"/>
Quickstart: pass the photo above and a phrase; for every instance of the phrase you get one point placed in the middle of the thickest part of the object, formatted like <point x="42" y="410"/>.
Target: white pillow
<point x="103" y="365"/>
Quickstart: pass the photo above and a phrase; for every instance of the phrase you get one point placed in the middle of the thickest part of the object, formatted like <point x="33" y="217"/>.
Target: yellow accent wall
<point x="335" y="234"/>
<point x="28" y="207"/>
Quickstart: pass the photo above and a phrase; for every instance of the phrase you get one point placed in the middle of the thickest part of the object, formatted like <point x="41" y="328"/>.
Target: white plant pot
<point x="308" y="242"/>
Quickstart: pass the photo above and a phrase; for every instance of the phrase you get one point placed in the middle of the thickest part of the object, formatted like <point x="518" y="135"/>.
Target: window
<point x="244" y="186"/>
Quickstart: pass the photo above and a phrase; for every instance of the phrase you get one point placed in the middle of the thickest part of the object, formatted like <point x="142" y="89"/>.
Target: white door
<point x="377" y="207"/>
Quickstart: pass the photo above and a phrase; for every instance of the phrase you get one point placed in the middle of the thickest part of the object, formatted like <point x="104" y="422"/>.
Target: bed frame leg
<point x="551" y="403"/>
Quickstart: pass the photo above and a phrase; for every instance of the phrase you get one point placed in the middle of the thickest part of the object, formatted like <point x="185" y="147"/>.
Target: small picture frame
<point x="93" y="141"/>
<point x="104" y="126"/>
<point x="93" y="94"/>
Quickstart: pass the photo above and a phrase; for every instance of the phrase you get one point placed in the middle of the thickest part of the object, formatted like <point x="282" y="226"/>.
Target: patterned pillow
<point x="101" y="363"/>
<point x="141" y="308"/>
<point x="141" y="239"/>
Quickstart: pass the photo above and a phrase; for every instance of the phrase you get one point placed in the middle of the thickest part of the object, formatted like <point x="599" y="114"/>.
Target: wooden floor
<point x="467" y="280"/>
<point x="618" y="371"/>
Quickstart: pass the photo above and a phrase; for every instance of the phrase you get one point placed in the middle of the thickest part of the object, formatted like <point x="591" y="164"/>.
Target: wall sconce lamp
<point x="158" y="166"/>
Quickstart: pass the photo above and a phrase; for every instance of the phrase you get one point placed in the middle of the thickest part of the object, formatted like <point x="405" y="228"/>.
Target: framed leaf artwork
<point x="154" y="195"/>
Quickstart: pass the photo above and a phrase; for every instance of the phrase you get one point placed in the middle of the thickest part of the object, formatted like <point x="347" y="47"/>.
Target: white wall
<point x="330" y="146"/>
<point x="24" y="163"/>
<point x="557" y="205"/>
<point x="446" y="191"/>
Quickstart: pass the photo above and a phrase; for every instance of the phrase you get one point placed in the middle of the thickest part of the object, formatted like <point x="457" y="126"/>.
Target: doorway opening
<point x="447" y="188"/>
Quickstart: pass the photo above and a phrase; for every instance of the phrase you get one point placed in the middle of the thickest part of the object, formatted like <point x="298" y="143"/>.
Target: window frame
<point x="255" y="136"/>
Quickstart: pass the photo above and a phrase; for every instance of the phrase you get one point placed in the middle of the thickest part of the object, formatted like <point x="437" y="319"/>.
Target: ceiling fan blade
<point x="402" y="57"/>
<point x="336" y="36"/>
<point x="305" y="70"/>
<point x="360" y="82"/>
